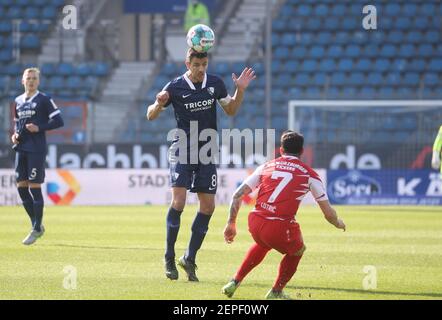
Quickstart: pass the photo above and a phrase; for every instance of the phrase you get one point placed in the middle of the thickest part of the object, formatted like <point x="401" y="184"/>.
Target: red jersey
<point x="283" y="183"/>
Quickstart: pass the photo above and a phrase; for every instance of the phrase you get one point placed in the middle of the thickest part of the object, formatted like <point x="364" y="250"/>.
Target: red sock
<point x="253" y="257"/>
<point x="287" y="269"/>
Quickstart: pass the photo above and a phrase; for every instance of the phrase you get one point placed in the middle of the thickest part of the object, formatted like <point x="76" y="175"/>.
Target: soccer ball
<point x="200" y="38"/>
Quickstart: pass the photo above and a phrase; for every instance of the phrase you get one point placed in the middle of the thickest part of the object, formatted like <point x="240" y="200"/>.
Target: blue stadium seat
<point x="101" y="69"/>
<point x="431" y="79"/>
<point x="304" y="10"/>
<point x="291" y="66"/>
<point x="375" y="79"/>
<point x="56" y="82"/>
<point x="367" y="92"/>
<point x="432" y="36"/>
<point x="338" y="79"/>
<point x="392" y="9"/>
<point x="414" y="37"/>
<point x="288" y="40"/>
<point x="381" y="65"/>
<point x="360" y="37"/>
<point x="276" y="39"/>
<point x="406" y="50"/>
<point x="388" y="51"/>
<point x="356" y="78"/>
<point x="324" y="38"/>
<point x="283" y="80"/>
<point x="308" y="65"/>
<point x="327" y="65"/>
<point x="393" y="79"/>
<point x="48" y="69"/>
<point x="65" y="69"/>
<point x="32" y="13"/>
<point x="363" y="65"/>
<point x="281" y="53"/>
<point x="13" y="69"/>
<point x="435" y="65"/>
<point x="14" y="13"/>
<point x="278" y="25"/>
<point x="73" y="83"/>
<point x="48" y="13"/>
<point x="222" y="68"/>
<point x="352" y="51"/>
<point x="350" y="23"/>
<point x="421" y="23"/>
<point x="313" y="24"/>
<point x="335" y="51"/>
<point x="409" y="9"/>
<point x="299" y="52"/>
<point x="302" y="79"/>
<point x="427" y="9"/>
<point x="316" y="52"/>
<point x="418" y="65"/>
<point x="5" y="27"/>
<point x="5" y="55"/>
<point x="331" y="23"/>
<point x="395" y="37"/>
<point x="402" y="23"/>
<point x="30" y="41"/>
<point x="338" y="10"/>
<point x="342" y="37"/>
<point x="425" y="50"/>
<point x="345" y="64"/>
<point x="321" y="10"/>
<point x="411" y="79"/>
<point x="306" y="38"/>
<point x="319" y="79"/>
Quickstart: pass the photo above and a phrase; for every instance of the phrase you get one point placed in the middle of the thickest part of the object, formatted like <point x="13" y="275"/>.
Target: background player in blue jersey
<point x="35" y="113"/>
<point x="193" y="97"/>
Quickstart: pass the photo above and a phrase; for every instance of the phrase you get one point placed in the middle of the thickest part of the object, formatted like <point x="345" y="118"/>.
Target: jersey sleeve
<point x="223" y="96"/>
<point x="317" y="188"/>
<point x="254" y="179"/>
<point x="52" y="108"/>
<point x="169" y="89"/>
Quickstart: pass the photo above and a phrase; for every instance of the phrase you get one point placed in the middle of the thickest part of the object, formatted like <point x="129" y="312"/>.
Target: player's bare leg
<point x="173" y="226"/>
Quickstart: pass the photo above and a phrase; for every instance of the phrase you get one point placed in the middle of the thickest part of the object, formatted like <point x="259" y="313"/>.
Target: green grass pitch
<point x="117" y="253"/>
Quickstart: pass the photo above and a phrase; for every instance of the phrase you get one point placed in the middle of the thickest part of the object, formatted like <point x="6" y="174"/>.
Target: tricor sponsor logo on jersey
<point x="199" y="105"/>
<point x="353" y="184"/>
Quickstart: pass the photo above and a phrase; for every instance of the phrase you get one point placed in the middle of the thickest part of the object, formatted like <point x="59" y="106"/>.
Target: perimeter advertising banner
<point x="384" y="187"/>
<point x="116" y="187"/>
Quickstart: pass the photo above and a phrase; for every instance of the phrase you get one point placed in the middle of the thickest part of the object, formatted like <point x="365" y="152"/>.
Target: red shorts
<point x="283" y="236"/>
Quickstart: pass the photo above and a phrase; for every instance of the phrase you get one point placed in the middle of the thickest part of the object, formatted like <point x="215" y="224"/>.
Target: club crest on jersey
<point x="211" y="90"/>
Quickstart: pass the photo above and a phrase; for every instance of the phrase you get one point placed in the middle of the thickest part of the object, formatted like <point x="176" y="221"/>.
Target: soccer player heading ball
<point x="35" y="113"/>
<point x="282" y="184"/>
<point x="193" y="96"/>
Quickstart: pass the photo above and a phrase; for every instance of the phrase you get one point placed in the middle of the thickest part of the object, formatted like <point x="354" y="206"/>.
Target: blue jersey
<point x="38" y="109"/>
<point x="196" y="101"/>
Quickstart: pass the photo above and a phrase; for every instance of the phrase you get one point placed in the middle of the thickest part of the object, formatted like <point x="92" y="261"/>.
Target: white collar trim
<point x="190" y="83"/>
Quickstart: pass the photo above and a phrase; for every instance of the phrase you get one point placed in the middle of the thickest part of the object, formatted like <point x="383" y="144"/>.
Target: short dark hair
<point x="292" y="142"/>
<point x="195" y="54"/>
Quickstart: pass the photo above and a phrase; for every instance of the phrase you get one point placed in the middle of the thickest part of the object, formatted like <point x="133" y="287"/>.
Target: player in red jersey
<point x="282" y="183"/>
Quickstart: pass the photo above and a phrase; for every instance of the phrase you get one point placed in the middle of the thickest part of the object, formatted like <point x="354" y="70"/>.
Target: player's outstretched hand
<point x="341" y="225"/>
<point x="247" y="75"/>
<point x="32" y="128"/>
<point x="435" y="160"/>
<point x="229" y="233"/>
<point x="162" y="98"/>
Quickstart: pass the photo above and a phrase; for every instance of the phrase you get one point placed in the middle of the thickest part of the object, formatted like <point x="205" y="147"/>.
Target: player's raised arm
<point x="247" y="76"/>
<point x="154" y="110"/>
<point x="437" y="149"/>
